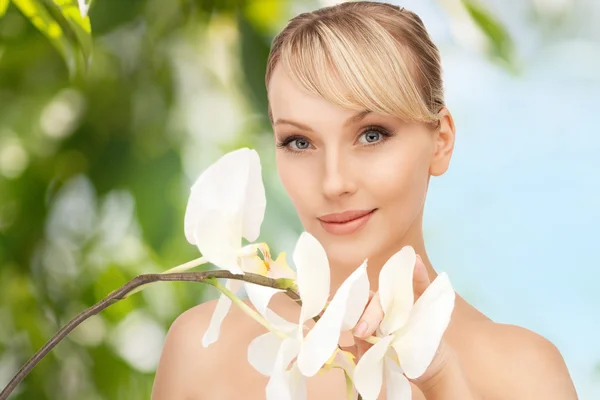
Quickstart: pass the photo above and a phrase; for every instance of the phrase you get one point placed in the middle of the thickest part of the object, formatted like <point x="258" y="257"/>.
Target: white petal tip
<point x="306" y="367"/>
<point x="206" y="341"/>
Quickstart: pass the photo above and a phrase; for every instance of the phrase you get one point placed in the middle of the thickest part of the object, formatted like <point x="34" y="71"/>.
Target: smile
<point x="347" y="222"/>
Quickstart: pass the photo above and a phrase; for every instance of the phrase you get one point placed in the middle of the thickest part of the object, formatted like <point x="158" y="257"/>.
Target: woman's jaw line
<point x="413" y="237"/>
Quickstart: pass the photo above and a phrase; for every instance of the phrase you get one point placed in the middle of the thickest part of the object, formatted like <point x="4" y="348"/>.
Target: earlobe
<point x="444" y="144"/>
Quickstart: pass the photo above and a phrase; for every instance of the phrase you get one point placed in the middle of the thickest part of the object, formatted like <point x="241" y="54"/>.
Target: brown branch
<point x="122" y="293"/>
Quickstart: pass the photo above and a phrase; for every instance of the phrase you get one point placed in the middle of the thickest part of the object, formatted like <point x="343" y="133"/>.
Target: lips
<point x="346" y="222"/>
<point x="346" y="216"/>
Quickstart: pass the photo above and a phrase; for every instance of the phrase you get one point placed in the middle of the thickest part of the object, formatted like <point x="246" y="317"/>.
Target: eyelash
<point x="285" y="142"/>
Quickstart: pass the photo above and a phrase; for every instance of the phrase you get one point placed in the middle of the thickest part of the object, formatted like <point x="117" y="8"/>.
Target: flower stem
<point x="245" y="308"/>
<point x="186" y="266"/>
<point x="122" y="293"/>
<point x="180" y="268"/>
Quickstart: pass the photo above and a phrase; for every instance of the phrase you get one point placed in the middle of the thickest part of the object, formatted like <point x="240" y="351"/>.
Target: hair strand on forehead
<point x="363" y="56"/>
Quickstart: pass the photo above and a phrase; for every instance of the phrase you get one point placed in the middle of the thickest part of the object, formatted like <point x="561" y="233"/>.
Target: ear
<point x="444" y="143"/>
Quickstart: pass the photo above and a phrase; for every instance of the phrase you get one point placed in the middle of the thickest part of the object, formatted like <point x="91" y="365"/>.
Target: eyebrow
<point x="352" y="120"/>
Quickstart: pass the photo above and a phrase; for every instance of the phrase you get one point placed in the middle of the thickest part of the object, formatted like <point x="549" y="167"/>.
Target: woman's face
<point x="373" y="168"/>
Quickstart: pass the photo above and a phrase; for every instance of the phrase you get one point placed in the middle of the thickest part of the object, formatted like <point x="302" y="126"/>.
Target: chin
<point x="371" y="242"/>
<point x="346" y="254"/>
<point x="350" y="254"/>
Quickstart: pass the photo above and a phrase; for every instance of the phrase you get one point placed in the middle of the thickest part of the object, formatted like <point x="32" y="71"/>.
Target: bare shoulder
<point x="519" y="364"/>
<point x="187" y="370"/>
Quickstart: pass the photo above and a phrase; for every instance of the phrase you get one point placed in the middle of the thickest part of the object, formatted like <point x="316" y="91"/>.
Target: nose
<point x="338" y="179"/>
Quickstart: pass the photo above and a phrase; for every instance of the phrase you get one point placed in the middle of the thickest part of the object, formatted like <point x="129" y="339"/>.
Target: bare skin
<point x="500" y="361"/>
<point x="330" y="162"/>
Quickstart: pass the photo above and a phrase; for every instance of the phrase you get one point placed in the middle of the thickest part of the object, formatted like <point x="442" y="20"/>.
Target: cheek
<point x="296" y="185"/>
<point x="400" y="179"/>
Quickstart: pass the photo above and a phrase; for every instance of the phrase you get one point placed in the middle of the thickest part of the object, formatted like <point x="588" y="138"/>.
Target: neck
<point x="414" y="237"/>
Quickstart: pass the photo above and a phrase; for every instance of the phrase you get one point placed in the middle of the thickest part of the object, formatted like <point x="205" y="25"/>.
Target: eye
<point x="372" y="135"/>
<point x="294" y="143"/>
<point x="299" y="144"/>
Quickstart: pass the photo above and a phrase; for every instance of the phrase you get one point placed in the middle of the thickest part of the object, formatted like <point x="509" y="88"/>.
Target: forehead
<point x="289" y="101"/>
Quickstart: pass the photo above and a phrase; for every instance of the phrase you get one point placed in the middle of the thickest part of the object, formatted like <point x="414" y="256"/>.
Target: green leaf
<point x="502" y="45"/>
<point x="3" y="7"/>
<point x="39" y="16"/>
<point x="80" y="25"/>
<point x="61" y="22"/>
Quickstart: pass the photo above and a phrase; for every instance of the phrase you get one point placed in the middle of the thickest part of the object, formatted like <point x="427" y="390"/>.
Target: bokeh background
<point x="96" y="164"/>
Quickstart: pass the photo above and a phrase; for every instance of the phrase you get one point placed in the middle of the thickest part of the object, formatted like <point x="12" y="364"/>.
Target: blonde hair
<point x="363" y="56"/>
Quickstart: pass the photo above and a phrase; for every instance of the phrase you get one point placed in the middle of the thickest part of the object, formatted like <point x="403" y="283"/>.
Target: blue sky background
<point x="515" y="220"/>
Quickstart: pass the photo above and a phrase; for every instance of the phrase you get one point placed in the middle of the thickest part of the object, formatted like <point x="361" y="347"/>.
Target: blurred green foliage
<point x="92" y="181"/>
<point x="64" y="25"/>
<point x="97" y="142"/>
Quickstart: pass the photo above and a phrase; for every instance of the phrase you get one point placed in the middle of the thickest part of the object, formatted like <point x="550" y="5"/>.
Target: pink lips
<point x="347" y="222"/>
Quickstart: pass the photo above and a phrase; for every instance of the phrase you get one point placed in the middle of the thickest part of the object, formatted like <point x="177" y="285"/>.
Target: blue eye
<point x="294" y="143"/>
<point x="371" y="136"/>
<point x="300" y="144"/>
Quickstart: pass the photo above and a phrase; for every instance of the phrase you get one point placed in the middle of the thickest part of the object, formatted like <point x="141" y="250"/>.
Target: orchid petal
<point x="221" y="309"/>
<point x="297" y="383"/>
<point x="280" y="323"/>
<point x="249" y="250"/>
<point x="214" y="328"/>
<point x="417" y="344"/>
<point x="255" y="201"/>
<point x="322" y="340"/>
<point x="290" y="385"/>
<point x="263" y="351"/>
<point x="368" y="374"/>
<point x="358" y="297"/>
<point x="254" y="265"/>
<point x="279" y="386"/>
<point x="312" y="268"/>
<point x="396" y="289"/>
<point x="216" y="241"/>
<point x="279" y="268"/>
<point x="396" y="384"/>
<point x="289" y="351"/>
<point x="260" y="296"/>
<point x="221" y="187"/>
<point x="264" y="250"/>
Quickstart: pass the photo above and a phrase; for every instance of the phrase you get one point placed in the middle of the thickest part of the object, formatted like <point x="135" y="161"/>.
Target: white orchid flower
<point x="409" y="333"/>
<point x="258" y="295"/>
<point x="272" y="353"/>
<point x="226" y="204"/>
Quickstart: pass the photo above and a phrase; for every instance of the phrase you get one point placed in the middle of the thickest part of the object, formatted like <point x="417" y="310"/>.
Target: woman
<point x="357" y="107"/>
